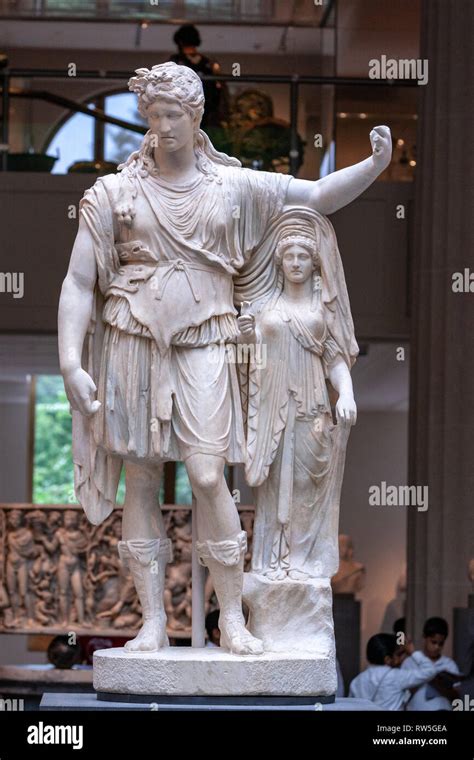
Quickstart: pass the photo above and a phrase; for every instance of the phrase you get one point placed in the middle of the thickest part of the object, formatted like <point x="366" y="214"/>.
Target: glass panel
<point x="75" y="7"/>
<point x="74" y="141"/>
<point x="302" y="13"/>
<point x="119" y="142"/>
<point x="358" y="109"/>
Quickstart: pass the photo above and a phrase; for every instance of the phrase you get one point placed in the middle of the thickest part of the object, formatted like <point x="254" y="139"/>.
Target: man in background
<point x="188" y="39"/>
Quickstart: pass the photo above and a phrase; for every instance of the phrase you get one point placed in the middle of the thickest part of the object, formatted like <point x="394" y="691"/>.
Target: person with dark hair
<point x="399" y="626"/>
<point x="188" y="39"/>
<point x="212" y="628"/>
<point x="383" y="682"/>
<point x="435" y="627"/>
<point x="440" y="692"/>
<point x="399" y="629"/>
<point x="62" y="654"/>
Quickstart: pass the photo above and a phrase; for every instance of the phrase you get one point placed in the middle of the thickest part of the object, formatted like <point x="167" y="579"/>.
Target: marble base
<point x="211" y="671"/>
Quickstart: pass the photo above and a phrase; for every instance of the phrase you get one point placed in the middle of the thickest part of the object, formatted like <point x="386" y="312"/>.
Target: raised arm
<point x="335" y="191"/>
<point x="75" y="310"/>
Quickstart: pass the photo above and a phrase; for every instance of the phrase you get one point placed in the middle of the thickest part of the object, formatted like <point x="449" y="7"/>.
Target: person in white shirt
<point x="439" y="694"/>
<point x="384" y="682"/>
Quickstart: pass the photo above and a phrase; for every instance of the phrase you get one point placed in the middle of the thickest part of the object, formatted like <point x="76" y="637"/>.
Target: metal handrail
<point x="293" y="81"/>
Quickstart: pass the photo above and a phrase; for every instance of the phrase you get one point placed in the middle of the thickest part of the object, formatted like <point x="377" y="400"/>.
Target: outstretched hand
<point x="381" y="141"/>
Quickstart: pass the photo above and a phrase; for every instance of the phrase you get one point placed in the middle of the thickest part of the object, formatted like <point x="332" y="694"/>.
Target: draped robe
<point x="164" y="299"/>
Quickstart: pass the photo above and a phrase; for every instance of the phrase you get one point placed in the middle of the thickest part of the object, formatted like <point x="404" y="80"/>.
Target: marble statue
<point x="350" y="577"/>
<point x="295" y="451"/>
<point x="165" y="248"/>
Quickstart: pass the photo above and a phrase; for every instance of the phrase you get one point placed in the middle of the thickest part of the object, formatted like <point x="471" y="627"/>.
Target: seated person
<point x="62" y="654"/>
<point x="440" y="692"/>
<point x="384" y="682"/>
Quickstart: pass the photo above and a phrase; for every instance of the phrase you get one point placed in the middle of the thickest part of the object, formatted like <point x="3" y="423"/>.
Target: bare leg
<point x="76" y="585"/>
<point x="146" y="551"/>
<point x="12" y="590"/>
<point x="221" y="547"/>
<point x="142" y="516"/>
<point x="217" y="515"/>
<point x="25" y="597"/>
<point x="63" y="583"/>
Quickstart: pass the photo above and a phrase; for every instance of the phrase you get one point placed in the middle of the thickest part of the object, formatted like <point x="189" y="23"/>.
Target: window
<point x="53" y="475"/>
<point x="119" y="142"/>
<point x="53" y="472"/>
<point x="83" y="138"/>
<point x="74" y="141"/>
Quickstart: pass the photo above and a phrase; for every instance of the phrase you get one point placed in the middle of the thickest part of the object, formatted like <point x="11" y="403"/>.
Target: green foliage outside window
<point x="53" y="472"/>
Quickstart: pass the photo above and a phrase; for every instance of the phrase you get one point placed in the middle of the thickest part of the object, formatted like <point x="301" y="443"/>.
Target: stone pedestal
<point x="291" y="616"/>
<point x="188" y="671"/>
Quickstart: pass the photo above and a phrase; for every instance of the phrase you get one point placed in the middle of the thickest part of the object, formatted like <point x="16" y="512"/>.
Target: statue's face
<point x="54" y="518"/>
<point x="297" y="263"/>
<point x="14" y="518"/>
<point x="70" y="519"/>
<point x="171" y="123"/>
<point x="180" y="517"/>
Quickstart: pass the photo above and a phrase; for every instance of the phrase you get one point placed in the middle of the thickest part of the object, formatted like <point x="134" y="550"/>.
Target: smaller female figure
<point x="295" y="452"/>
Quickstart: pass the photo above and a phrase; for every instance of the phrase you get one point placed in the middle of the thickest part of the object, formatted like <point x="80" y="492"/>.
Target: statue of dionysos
<point x="164" y="249"/>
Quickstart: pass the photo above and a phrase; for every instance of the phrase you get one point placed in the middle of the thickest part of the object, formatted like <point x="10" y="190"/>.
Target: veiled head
<point x="297" y="255"/>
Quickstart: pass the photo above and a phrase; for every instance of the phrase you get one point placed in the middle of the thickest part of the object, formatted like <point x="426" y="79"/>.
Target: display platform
<point x="90" y="702"/>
